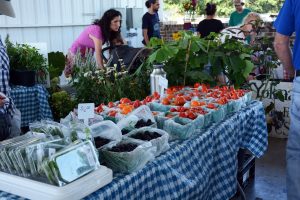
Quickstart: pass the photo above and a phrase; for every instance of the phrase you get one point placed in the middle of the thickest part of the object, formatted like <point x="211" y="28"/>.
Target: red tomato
<point x="191" y="115"/>
<point x="182" y="114"/>
<point x="148" y="99"/>
<point x="111" y="104"/>
<point x="112" y="113"/>
<point x="99" y="109"/>
<point x="211" y="106"/>
<point x="173" y="110"/>
<point x="196" y="85"/>
<point x="156" y="95"/>
<point x="182" y="109"/>
<point x="137" y="103"/>
<point x="165" y="101"/>
<point x="187" y="98"/>
<point x="179" y="101"/>
<point x="125" y="100"/>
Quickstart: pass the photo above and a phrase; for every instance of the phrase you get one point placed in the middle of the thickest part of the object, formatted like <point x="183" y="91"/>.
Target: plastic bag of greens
<point x="19" y="153"/>
<point x="158" y="138"/>
<point x="71" y="163"/>
<point x="9" y="158"/>
<point x="36" y="153"/>
<point x="50" y="128"/>
<point x="5" y="143"/>
<point x="128" y="156"/>
<point x="80" y="131"/>
<point x="183" y="128"/>
<point x="140" y="117"/>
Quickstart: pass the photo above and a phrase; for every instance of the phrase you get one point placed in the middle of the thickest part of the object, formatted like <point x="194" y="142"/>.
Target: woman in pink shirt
<point x="104" y="30"/>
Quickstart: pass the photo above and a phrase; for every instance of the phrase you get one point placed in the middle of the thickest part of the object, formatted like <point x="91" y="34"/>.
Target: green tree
<point x="225" y="7"/>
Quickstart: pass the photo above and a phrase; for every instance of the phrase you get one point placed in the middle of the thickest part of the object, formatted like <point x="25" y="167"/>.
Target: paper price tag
<point x="86" y="111"/>
<point x="163" y="84"/>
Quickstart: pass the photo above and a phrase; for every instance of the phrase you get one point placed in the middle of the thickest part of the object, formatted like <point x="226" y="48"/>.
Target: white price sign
<point x="163" y="84"/>
<point x="86" y="111"/>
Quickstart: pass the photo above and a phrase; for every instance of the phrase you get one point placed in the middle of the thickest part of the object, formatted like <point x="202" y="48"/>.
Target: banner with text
<point x="278" y="119"/>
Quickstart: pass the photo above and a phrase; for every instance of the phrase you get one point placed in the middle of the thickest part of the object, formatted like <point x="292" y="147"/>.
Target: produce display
<point x="124" y="135"/>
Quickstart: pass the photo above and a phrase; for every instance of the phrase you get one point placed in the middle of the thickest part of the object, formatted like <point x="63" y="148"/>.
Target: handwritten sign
<point x="86" y="111"/>
<point x="163" y="84"/>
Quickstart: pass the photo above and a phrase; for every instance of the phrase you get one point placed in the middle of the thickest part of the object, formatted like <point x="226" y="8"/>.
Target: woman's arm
<point x="98" y="49"/>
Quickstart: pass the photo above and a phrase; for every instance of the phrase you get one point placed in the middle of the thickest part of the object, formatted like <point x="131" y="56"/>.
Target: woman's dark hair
<point x="149" y="2"/>
<point x="210" y="9"/>
<point x="104" y="23"/>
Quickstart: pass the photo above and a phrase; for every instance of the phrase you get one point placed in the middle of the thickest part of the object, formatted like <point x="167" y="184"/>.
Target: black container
<point x="22" y="77"/>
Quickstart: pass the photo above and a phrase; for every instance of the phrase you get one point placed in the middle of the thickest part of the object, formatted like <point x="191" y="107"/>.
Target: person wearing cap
<point x="150" y="21"/>
<point x="10" y="117"/>
<point x="287" y="23"/>
<point x="237" y="17"/>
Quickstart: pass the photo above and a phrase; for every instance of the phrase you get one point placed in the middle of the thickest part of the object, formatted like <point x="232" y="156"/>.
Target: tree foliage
<point x="225" y="7"/>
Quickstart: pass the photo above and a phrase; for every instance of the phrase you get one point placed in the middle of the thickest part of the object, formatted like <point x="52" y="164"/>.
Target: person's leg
<point x="293" y="145"/>
<point x="15" y="124"/>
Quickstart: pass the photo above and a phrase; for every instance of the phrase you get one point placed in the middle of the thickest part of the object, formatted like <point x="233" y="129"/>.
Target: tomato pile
<point x="185" y="102"/>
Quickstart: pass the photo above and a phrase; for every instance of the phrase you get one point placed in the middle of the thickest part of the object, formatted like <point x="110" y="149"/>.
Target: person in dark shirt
<point x="208" y="25"/>
<point x="150" y="24"/>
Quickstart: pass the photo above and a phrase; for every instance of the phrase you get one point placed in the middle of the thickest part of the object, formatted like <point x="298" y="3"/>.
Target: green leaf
<point x="270" y="107"/>
<point x="244" y="56"/>
<point x="248" y="69"/>
<point x="279" y="95"/>
<point x="236" y="63"/>
<point x="196" y="75"/>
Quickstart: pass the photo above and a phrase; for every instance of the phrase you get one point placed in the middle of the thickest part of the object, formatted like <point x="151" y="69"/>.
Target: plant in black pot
<point x="27" y="65"/>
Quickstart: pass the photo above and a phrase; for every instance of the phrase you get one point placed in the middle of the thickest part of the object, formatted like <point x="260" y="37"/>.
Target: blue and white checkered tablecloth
<point x="32" y="102"/>
<point x="203" y="167"/>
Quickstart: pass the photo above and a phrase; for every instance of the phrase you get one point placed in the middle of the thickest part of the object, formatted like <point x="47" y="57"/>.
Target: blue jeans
<point x="293" y="145"/>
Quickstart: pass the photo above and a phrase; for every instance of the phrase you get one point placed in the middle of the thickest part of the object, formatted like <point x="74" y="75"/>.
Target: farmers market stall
<point x="32" y="102"/>
<point x="202" y="167"/>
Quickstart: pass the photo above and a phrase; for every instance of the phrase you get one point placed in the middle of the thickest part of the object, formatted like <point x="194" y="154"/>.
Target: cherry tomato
<point x="125" y="100"/>
<point x="111" y="104"/>
<point x="137" y="103"/>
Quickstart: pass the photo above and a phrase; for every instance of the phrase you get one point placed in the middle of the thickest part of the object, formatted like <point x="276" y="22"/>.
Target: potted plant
<point x="26" y="64"/>
<point x="187" y="56"/>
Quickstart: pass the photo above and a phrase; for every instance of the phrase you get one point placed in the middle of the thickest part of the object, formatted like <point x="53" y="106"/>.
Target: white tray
<point x="37" y="190"/>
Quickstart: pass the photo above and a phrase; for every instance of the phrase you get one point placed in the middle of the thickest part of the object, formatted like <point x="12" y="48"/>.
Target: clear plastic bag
<point x="161" y="143"/>
<point x="127" y="162"/>
<point x="71" y="163"/>
<point x="104" y="133"/>
<point x="80" y="131"/>
<point x="106" y="129"/>
<point x="142" y="113"/>
<point x="183" y="128"/>
<point x="8" y="156"/>
<point x="72" y="118"/>
<point x="36" y="153"/>
<point x="50" y="128"/>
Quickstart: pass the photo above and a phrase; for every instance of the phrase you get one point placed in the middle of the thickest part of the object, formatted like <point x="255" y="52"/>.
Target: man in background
<point x="288" y="22"/>
<point x="237" y="17"/>
<point x="9" y="116"/>
<point x="150" y="24"/>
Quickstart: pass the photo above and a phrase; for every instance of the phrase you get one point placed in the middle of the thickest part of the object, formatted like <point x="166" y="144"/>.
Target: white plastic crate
<point x="37" y="190"/>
